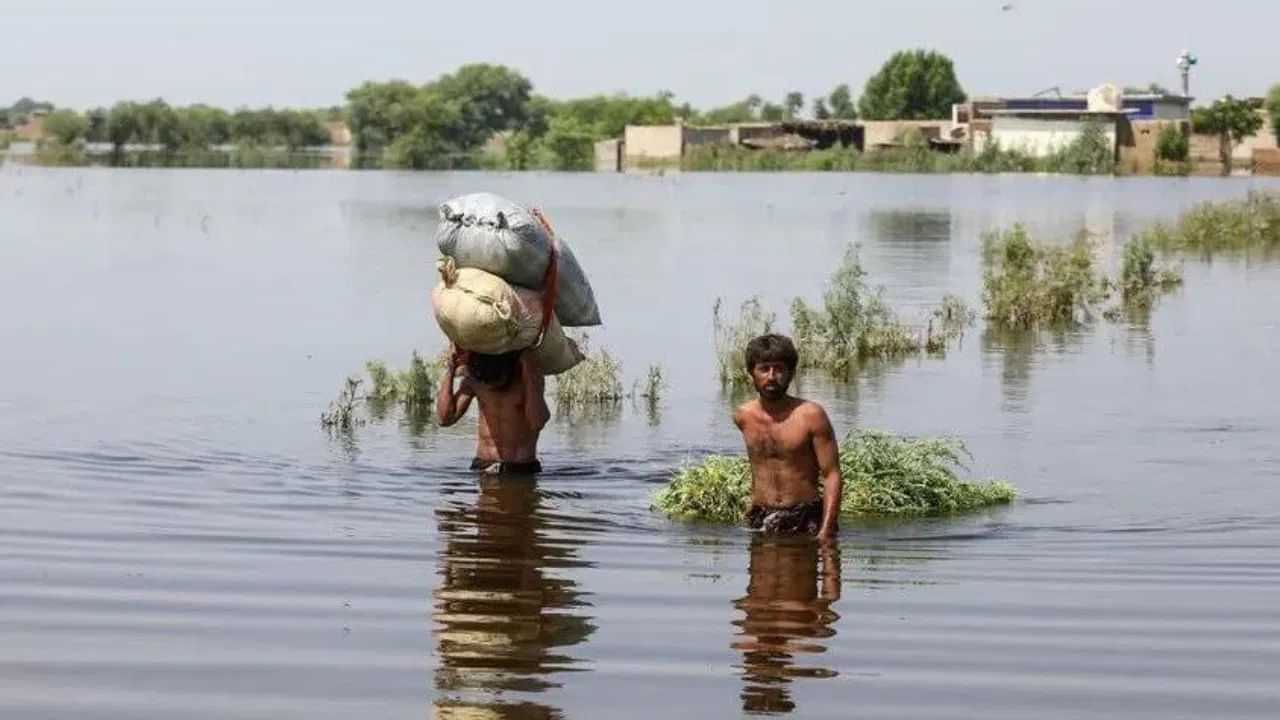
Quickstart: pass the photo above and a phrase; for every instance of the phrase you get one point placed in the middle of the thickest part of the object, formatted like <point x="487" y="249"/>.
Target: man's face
<point x="771" y="379"/>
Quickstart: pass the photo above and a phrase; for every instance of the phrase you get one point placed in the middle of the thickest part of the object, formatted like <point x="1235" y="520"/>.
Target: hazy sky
<point x="81" y="53"/>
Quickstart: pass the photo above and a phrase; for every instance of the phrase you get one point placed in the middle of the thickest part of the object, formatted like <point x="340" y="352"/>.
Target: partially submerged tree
<point x="66" y="126"/>
<point x="1231" y="120"/>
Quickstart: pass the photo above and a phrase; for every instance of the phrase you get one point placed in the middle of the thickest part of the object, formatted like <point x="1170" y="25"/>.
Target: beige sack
<point x="482" y="313"/>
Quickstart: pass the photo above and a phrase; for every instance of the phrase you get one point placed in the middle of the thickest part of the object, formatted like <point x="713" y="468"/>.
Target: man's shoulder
<point x="746" y="410"/>
<point x="811" y="411"/>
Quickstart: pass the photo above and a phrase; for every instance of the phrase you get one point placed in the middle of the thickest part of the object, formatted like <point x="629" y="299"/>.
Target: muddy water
<point x="179" y="538"/>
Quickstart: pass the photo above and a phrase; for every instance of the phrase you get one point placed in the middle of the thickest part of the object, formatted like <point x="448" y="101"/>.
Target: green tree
<point x="429" y="140"/>
<point x="124" y="122"/>
<point x="820" y="111"/>
<point x="742" y="111"/>
<point x="912" y="85"/>
<point x="607" y="116"/>
<point x="771" y="112"/>
<point x="570" y="143"/>
<point x="794" y="104"/>
<point x="841" y="101"/>
<point x="1231" y="120"/>
<point x="380" y="112"/>
<point x="97" y="131"/>
<point x="489" y="99"/>
<point x="66" y="127"/>
<point x="1273" y="109"/>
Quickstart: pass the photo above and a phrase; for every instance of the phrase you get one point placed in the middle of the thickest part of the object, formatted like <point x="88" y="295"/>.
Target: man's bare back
<point x="512" y="413"/>
<point x="791" y="446"/>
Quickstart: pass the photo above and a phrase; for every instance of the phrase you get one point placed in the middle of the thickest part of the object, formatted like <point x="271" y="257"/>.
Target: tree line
<point x="487" y="115"/>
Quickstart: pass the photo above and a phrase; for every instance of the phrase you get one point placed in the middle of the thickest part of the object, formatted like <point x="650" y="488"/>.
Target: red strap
<point x="551" y="282"/>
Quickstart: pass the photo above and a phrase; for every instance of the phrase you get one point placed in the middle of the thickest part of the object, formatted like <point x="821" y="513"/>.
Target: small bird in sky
<point x="1006" y="7"/>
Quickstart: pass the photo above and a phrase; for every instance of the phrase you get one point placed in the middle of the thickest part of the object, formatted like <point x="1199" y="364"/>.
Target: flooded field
<point x="179" y="538"/>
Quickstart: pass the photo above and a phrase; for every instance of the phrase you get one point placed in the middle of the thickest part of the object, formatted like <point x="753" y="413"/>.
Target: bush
<point x="595" y="382"/>
<point x="1141" y="281"/>
<point x="884" y="476"/>
<point x="1089" y="154"/>
<point x="1172" y="145"/>
<point x="1025" y="285"/>
<point x="731" y="340"/>
<point x="1234" y="226"/>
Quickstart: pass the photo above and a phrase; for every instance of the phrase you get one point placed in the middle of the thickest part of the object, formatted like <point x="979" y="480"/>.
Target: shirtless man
<point x="513" y="409"/>
<point x="791" y="446"/>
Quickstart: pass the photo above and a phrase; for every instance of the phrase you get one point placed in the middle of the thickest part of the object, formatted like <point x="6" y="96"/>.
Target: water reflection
<point x="503" y="616"/>
<point x="787" y="613"/>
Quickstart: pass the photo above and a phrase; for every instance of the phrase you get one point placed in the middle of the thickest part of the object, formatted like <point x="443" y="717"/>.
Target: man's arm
<point x="535" y="385"/>
<point x="451" y="405"/>
<point x="828" y="455"/>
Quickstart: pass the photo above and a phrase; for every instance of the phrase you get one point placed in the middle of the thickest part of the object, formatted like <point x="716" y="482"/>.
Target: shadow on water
<point x="503" y="617"/>
<point x="786" y="614"/>
<point x="910" y="225"/>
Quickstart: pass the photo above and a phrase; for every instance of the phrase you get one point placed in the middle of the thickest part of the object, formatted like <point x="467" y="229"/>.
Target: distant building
<point x="1137" y="107"/>
<point x="33" y="129"/>
<point x="339" y="133"/>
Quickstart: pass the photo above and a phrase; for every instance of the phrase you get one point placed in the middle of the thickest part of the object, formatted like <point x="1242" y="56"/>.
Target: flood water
<point x="179" y="538"/>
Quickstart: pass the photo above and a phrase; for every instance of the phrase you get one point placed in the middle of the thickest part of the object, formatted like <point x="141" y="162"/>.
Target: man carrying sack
<point x="505" y="338"/>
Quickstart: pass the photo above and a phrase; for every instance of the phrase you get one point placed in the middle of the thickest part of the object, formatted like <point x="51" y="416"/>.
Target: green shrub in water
<point x="1230" y="226"/>
<point x="1026" y="285"/>
<point x="856" y="324"/>
<point x="596" y="381"/>
<point x="731" y="340"/>
<point x="1141" y="280"/>
<point x="884" y="476"/>
<point x="414" y="388"/>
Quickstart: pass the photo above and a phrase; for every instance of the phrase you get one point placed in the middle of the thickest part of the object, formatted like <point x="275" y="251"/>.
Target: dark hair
<point x="772" y="348"/>
<point x="496" y="371"/>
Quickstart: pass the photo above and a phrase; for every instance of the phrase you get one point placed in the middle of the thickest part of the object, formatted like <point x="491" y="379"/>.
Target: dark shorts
<point x="795" y="520"/>
<point x="499" y="467"/>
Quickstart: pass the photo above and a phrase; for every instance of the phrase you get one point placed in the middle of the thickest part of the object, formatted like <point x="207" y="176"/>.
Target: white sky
<point x="81" y="53"/>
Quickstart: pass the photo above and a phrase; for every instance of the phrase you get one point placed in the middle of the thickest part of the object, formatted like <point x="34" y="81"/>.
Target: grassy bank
<point x="884" y="476"/>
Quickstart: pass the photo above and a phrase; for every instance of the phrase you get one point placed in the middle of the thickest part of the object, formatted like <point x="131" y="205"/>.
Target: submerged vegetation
<point x="595" y="382"/>
<point x="1230" y="226"/>
<point x="412" y="389"/>
<point x="731" y="338"/>
<point x="884" y="475"/>
<point x="1026" y="285"/>
<point x="341" y="416"/>
<point x="854" y="324"/>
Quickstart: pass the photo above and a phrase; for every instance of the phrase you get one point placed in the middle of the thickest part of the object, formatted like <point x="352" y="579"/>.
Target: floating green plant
<point x="884" y="475"/>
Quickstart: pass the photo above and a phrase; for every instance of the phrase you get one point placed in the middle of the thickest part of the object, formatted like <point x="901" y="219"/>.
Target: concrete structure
<point x="1138" y="107"/>
<point x="339" y="133"/>
<point x="888" y="133"/>
<point x="608" y="156"/>
<point x="665" y="145"/>
<point x="653" y="144"/>
<point x="1043" y="133"/>
<point x="1137" y="143"/>
<point x="33" y="129"/>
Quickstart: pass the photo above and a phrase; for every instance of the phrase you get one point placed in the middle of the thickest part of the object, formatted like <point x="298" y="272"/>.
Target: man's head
<point x="771" y="362"/>
<point x="494" y="371"/>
